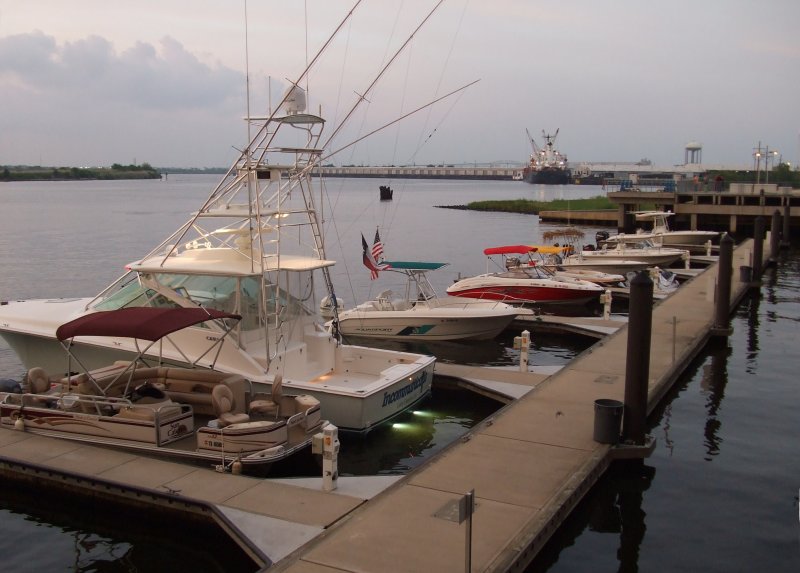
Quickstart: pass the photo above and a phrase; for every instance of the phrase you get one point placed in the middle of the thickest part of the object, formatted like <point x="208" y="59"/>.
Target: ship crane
<point x="535" y="147"/>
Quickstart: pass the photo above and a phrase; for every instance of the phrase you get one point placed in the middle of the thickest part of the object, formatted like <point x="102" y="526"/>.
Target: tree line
<point x="116" y="171"/>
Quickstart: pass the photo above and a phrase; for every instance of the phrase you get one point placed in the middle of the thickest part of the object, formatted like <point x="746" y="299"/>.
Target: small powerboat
<point x="632" y="248"/>
<point x="524" y="284"/>
<point x="660" y="233"/>
<point x="420" y="314"/>
<point x="552" y="261"/>
<point x="169" y="411"/>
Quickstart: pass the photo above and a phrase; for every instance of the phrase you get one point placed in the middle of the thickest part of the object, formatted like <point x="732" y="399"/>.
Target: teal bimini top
<point x="414" y="266"/>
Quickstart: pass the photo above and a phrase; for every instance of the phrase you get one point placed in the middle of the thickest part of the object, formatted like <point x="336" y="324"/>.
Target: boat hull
<point x="526" y="291"/>
<point x="438" y="319"/>
<point x="613" y="266"/>
<point x="547" y="176"/>
<point x="650" y="258"/>
<point x="694" y="238"/>
<point x="349" y="387"/>
<point x="360" y="412"/>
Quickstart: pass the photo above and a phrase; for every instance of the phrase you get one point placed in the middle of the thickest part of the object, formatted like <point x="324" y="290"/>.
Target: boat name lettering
<point x="212" y="338"/>
<point x="417" y="384"/>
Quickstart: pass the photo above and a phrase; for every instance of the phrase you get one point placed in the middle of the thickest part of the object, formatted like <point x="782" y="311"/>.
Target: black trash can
<point x="745" y="274"/>
<point x="607" y="420"/>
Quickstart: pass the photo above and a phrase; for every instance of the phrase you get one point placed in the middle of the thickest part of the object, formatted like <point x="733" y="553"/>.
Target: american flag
<point x="377" y="247"/>
<point x="369" y="260"/>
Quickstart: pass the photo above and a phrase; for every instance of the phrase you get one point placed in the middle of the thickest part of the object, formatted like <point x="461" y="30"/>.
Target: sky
<point x="93" y="82"/>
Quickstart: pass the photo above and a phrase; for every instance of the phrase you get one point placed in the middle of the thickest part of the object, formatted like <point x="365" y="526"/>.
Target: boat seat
<point x="38" y="381"/>
<point x="225" y="407"/>
<point x="264" y="406"/>
<point x="384" y="300"/>
<point x="400" y="304"/>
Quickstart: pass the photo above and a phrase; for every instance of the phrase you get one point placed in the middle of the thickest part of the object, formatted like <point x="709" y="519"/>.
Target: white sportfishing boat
<point x="566" y="252"/>
<point x="418" y="314"/>
<point x="524" y="284"/>
<point x="660" y="233"/>
<point x="632" y="248"/>
<point x="182" y="413"/>
<point x="254" y="248"/>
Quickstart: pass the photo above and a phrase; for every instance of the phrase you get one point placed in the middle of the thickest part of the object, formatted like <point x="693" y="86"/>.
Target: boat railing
<point x="102" y="405"/>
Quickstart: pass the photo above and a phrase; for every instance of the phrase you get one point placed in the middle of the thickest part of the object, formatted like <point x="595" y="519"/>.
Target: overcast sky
<point x="93" y="82"/>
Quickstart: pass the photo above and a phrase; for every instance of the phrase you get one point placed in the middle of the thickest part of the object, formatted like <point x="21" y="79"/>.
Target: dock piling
<point x="758" y="249"/>
<point x="786" y="228"/>
<point x="775" y="236"/>
<point x="637" y="364"/>
<point x="722" y="306"/>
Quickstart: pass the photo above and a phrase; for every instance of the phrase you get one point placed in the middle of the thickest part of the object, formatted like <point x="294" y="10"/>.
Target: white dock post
<point x="523" y="343"/>
<point x="605" y="298"/>
<point x="330" y="457"/>
<point x="708" y="248"/>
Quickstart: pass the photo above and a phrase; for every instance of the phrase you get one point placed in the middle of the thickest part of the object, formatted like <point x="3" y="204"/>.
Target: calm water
<point x="719" y="493"/>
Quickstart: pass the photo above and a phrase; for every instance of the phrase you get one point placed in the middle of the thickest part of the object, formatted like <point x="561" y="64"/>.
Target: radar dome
<point x="295" y="100"/>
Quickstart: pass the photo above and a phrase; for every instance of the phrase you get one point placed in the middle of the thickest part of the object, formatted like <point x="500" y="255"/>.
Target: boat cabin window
<point x="132" y="293"/>
<point x="286" y="295"/>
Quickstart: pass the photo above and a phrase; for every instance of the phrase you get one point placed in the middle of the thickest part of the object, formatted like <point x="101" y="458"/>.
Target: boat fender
<point x="236" y="467"/>
<point x="19" y="424"/>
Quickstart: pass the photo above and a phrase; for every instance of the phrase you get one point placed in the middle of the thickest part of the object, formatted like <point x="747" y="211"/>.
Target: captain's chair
<point x="265" y="406"/>
<point x="224" y="407"/>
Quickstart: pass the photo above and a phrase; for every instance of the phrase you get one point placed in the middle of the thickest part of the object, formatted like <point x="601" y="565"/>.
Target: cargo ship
<point x="547" y="165"/>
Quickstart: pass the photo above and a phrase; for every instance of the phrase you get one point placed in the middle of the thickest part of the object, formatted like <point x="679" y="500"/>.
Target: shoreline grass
<point x="526" y="206"/>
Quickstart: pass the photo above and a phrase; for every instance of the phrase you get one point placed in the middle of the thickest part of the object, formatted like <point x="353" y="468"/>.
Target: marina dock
<point x="529" y="465"/>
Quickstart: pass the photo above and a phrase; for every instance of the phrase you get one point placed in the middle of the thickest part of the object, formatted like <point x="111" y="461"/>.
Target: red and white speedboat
<point x="524" y="283"/>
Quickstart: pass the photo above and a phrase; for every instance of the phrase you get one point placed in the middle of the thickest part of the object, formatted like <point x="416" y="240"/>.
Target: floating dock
<point x="529" y="465"/>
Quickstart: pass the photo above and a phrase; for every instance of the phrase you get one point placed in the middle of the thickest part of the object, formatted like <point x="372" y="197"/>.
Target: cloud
<point x="166" y="78"/>
<point x="87" y="92"/>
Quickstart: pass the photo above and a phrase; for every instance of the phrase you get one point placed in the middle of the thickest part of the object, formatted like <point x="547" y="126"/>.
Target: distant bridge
<point x="420" y="172"/>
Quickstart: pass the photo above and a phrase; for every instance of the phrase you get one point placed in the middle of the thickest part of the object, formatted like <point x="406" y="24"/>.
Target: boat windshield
<point x="640" y="244"/>
<point x="240" y="295"/>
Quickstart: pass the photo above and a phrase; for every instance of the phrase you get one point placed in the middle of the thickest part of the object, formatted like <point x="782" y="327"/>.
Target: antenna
<point x="247" y="77"/>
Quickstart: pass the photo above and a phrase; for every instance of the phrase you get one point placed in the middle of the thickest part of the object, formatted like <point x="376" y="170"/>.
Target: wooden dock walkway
<point x="268" y="518"/>
<point x="529" y="465"/>
<point x="595" y="327"/>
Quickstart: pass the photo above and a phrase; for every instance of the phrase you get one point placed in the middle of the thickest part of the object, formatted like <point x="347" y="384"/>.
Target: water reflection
<point x="548" y="349"/>
<point x="713" y="382"/>
<point x="613" y="506"/>
<point x="91" y="534"/>
<point x="751" y="307"/>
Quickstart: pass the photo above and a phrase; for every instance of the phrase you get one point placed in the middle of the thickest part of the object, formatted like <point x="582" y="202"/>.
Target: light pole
<point x="772" y="154"/>
<point x="757" y="162"/>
